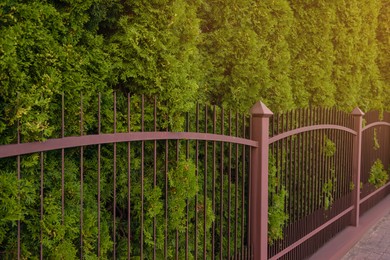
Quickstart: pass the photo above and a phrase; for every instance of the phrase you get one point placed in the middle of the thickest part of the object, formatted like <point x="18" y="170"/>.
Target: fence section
<point x="376" y="143"/>
<point x="138" y="191"/>
<point x="139" y="182"/>
<point x="311" y="157"/>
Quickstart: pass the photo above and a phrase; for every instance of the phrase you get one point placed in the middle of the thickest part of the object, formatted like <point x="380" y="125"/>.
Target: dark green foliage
<point x="277" y="217"/>
<point x="246" y="53"/>
<point x="378" y="175"/>
<point x="329" y="147"/>
<point x="383" y="42"/>
<point x="153" y="51"/>
<point x="312" y="53"/>
<point x="327" y="191"/>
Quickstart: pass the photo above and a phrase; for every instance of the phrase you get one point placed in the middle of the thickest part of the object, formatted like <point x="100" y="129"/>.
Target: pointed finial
<point x="260" y="109"/>
<point x="357" y="112"/>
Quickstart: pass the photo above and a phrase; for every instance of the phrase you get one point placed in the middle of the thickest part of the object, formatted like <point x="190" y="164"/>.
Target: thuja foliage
<point x="277" y="216"/>
<point x="329" y="148"/>
<point x="329" y="186"/>
<point x="286" y="53"/>
<point x="327" y="190"/>
<point x="376" y="142"/>
<point x="378" y="175"/>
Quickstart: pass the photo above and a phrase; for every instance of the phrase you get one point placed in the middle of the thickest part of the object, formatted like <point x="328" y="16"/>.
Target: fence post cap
<point x="260" y="109"/>
<point x="357" y="112"/>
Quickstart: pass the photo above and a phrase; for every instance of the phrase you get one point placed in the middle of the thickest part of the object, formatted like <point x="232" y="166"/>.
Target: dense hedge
<point x="231" y="53"/>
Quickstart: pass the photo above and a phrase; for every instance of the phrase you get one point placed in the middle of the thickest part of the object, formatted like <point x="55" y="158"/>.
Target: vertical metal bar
<point x="18" y="173"/>
<point x="342" y="170"/>
<point x="63" y="160"/>
<point x="249" y="230"/>
<point x="166" y="198"/>
<point x="259" y="181"/>
<point x="291" y="185"/>
<point x="221" y="188"/>
<point x="338" y="159"/>
<point x="292" y="195"/>
<point x="287" y="163"/>
<point x="300" y="209"/>
<point x="114" y="188"/>
<point x="205" y="189"/>
<point x="98" y="181"/>
<point x="187" y="203"/>
<point x="300" y="168"/>
<point x="306" y="190"/>
<point x="229" y="183"/>
<point x="196" y="196"/>
<point x="317" y="159"/>
<point x="282" y="173"/>
<point x="312" y="163"/>
<point x="142" y="178"/>
<point x="236" y="195"/>
<point x="305" y="163"/>
<point x="309" y="162"/>
<point x="154" y="172"/>
<point x="244" y="213"/>
<point x="213" y="183"/>
<point x="333" y="158"/>
<point x="128" y="179"/>
<point x="81" y="179"/>
<point x="322" y="161"/>
<point x="326" y="158"/>
<point x="41" y="215"/>
<point x="177" y="231"/>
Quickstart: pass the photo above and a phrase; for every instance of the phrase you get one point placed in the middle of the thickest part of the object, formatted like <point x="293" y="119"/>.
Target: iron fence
<point x="141" y="189"/>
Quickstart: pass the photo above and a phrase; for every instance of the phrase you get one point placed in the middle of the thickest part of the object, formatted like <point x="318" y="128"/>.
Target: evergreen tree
<point x="371" y="88"/>
<point x="153" y="51"/>
<point x="243" y="42"/>
<point x="313" y="53"/>
<point x="235" y="71"/>
<point x="272" y="21"/>
<point x="348" y="58"/>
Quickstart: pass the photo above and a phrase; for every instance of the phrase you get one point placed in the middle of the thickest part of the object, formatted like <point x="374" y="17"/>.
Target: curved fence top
<point x="143" y="119"/>
<point x="304" y="120"/>
<point x="375" y="118"/>
<point x="78" y="141"/>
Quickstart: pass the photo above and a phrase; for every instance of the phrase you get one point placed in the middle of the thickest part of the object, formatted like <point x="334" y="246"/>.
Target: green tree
<point x="312" y="53"/>
<point x="347" y="65"/>
<point x="153" y="51"/>
<point x="246" y="57"/>
<point x="371" y="88"/>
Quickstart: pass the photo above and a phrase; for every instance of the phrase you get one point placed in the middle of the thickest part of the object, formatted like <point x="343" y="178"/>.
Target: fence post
<point x="356" y="164"/>
<point x="258" y="208"/>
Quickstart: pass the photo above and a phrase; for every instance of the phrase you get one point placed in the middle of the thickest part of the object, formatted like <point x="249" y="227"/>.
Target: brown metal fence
<point x="376" y="145"/>
<point x="134" y="179"/>
<point x="313" y="156"/>
<point x="202" y="191"/>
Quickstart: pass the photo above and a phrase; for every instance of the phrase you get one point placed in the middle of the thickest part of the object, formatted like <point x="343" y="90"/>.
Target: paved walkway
<point x="375" y="244"/>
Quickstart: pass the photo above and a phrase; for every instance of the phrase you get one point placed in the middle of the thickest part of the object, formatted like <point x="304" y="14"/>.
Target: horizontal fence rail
<point x="124" y="178"/>
<point x="77" y="141"/>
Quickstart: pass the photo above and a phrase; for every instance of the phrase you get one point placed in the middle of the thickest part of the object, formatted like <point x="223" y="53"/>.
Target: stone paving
<point x="375" y="244"/>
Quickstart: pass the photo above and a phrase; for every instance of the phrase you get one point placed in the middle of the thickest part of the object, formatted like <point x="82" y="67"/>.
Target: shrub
<point x="378" y="176"/>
